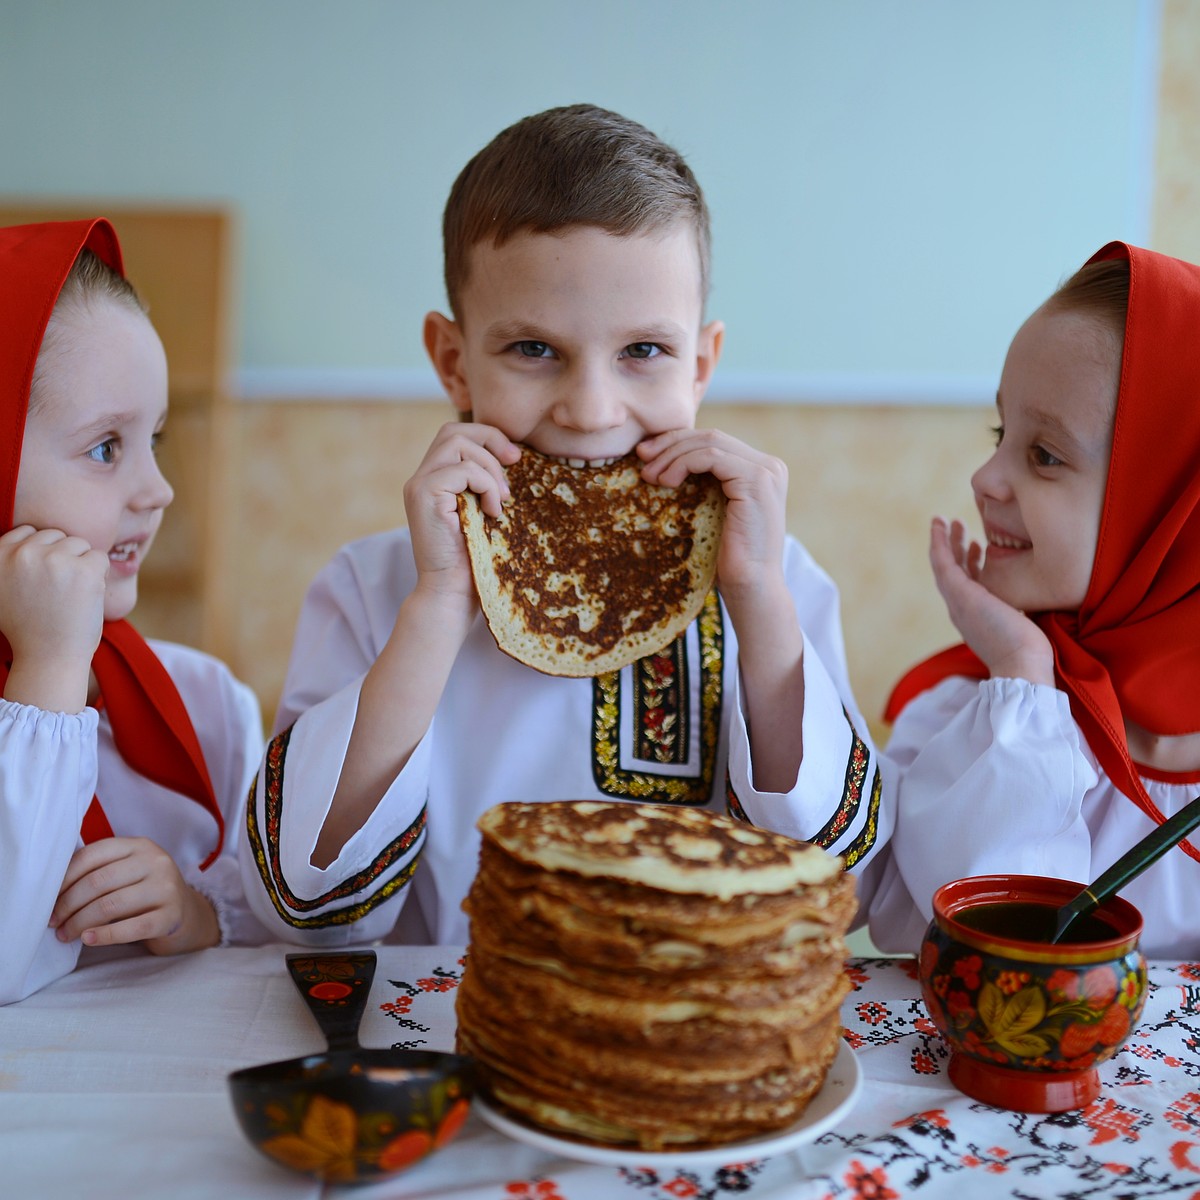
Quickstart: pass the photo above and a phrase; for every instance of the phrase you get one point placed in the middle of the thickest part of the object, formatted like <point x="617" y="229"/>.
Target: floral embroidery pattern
<point x="533" y="1189"/>
<point x="399" y="1009"/>
<point x="660" y="694"/>
<point x="735" y="1178"/>
<point x="1133" y="1141"/>
<point x="660" y="707"/>
<point x="1097" y="1152"/>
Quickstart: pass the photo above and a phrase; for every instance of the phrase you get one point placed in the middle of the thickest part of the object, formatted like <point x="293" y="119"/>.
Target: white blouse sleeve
<point x="987" y="777"/>
<point x="343" y="625"/>
<point x="48" y="768"/>
<point x="228" y="722"/>
<point x="837" y="800"/>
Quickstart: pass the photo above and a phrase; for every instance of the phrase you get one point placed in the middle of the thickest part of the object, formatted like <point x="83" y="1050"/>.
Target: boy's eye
<point x="533" y="349"/>
<point x="998" y="434"/>
<point x="643" y="350"/>
<point x="104" y="452"/>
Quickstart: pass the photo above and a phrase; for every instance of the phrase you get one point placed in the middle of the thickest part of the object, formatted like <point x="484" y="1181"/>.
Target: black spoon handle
<point x="335" y="988"/>
<point x="1133" y="862"/>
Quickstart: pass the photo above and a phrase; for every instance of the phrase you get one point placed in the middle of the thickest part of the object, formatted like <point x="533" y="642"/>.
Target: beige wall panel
<point x="863" y="485"/>
<point x="1176" y="213"/>
<point x="314" y="475"/>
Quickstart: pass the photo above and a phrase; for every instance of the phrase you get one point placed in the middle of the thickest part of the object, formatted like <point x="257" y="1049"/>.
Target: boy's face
<point x="1041" y="493"/>
<point x="579" y="344"/>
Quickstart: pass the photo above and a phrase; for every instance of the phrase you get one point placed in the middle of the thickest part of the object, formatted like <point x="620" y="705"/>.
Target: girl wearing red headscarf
<point x="1068" y="723"/>
<point x="122" y="764"/>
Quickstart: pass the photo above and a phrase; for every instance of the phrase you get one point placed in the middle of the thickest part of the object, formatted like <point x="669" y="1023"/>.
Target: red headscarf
<point x="150" y="724"/>
<point x="1133" y="647"/>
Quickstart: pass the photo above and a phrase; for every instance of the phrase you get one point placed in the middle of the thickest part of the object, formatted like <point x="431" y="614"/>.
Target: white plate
<point x="835" y="1099"/>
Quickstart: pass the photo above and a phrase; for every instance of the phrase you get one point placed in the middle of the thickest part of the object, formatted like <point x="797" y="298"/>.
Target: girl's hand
<point x="1007" y="641"/>
<point x="52" y="612"/>
<point x="463" y="456"/>
<point x="755" y="487"/>
<point x="121" y="890"/>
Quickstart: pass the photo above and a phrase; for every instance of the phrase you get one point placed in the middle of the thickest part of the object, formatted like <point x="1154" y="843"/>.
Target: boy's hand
<point x="121" y="890"/>
<point x="753" y="587"/>
<point x="463" y="457"/>
<point x="52" y="612"/>
<point x="755" y="487"/>
<point x="1007" y="641"/>
<point x="403" y="687"/>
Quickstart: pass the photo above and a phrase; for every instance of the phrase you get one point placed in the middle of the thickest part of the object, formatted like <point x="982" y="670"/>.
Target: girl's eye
<point x="998" y="434"/>
<point x="104" y="452"/>
<point x="643" y="350"/>
<point x="1043" y="458"/>
<point x="533" y="350"/>
<point x="156" y="441"/>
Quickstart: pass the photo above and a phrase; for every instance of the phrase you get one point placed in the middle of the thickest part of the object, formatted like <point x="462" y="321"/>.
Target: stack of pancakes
<point x="650" y="976"/>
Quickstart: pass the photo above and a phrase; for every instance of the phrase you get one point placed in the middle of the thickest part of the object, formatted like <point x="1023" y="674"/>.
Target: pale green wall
<point x="894" y="183"/>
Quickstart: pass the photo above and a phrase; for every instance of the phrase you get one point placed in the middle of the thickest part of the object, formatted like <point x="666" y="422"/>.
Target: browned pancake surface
<point x="588" y="569"/>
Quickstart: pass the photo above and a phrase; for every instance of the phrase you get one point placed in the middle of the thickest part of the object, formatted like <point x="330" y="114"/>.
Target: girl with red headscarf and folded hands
<point x="1067" y="724"/>
<point x="122" y="764"/>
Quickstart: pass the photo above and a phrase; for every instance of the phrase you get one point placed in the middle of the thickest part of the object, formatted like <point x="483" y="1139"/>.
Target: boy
<point x="576" y="255"/>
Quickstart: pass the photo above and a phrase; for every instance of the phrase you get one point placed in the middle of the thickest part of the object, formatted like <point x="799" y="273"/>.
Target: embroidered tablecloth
<point x="112" y="1084"/>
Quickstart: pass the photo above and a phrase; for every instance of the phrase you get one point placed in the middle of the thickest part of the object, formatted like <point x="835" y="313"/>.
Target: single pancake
<point x="591" y="568"/>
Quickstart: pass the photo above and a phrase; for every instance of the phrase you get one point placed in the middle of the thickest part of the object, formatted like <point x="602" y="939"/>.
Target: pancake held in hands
<point x="591" y="568"/>
<point x="652" y="977"/>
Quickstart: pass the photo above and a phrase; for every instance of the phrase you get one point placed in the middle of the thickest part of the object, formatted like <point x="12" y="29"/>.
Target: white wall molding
<point x="401" y="385"/>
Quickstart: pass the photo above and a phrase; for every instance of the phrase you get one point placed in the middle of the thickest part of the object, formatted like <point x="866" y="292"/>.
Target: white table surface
<point x="113" y="1085"/>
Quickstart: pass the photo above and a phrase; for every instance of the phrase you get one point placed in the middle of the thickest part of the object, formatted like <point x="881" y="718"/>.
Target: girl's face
<point x="88" y="464"/>
<point x="1041" y="493"/>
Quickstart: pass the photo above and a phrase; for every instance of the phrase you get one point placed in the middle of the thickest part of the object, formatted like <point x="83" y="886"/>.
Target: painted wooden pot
<point x="1027" y="1021"/>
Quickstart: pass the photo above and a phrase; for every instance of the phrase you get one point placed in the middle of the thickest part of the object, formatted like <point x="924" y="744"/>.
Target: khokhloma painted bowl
<point x="353" y="1116"/>
<point x="1027" y="1021"/>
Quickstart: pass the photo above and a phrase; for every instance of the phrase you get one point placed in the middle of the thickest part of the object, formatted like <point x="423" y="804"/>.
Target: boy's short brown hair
<point x="577" y="165"/>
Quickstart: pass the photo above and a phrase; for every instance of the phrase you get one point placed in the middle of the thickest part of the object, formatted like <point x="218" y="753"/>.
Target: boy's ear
<point x="708" y="351"/>
<point x="444" y="345"/>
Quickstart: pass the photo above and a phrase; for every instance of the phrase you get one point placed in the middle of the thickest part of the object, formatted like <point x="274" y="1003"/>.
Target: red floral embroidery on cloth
<point x="660" y="706"/>
<point x="1140" y="1138"/>
<point x="405" y="1007"/>
<point x="533" y="1189"/>
<point x="1103" y="1146"/>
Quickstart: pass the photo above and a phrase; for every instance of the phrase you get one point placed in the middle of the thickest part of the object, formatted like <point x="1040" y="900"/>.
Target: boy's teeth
<point x="123" y="551"/>
<point x="588" y="462"/>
